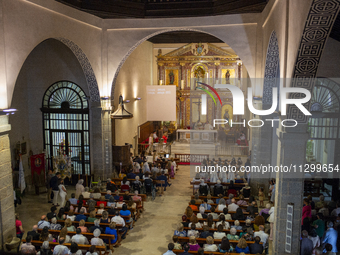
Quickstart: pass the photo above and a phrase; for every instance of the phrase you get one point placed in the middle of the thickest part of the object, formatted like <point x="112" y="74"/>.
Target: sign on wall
<point x="161" y="103"/>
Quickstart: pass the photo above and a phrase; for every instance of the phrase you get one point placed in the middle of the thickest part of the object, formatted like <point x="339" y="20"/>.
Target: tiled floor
<point x="152" y="232"/>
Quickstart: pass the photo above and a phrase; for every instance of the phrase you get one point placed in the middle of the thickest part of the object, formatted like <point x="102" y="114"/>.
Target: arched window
<point x="66" y="125"/>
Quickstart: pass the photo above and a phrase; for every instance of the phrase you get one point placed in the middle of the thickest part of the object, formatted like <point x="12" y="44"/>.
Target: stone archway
<point x="86" y="66"/>
<point x="318" y="26"/>
<point x="139" y="43"/>
<point x="270" y="73"/>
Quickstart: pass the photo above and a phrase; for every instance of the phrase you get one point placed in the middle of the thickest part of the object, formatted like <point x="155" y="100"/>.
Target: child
<point x="261" y="197"/>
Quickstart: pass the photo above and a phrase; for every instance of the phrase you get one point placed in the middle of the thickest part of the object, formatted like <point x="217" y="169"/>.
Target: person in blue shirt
<point x="117" y="196"/>
<point x="186" y="248"/>
<point x="111" y="230"/>
<point x="330" y="237"/>
<point x="131" y="175"/>
<point x="81" y="215"/>
<point x="242" y="246"/>
<point x="108" y="194"/>
<point x="205" y="204"/>
<point x="126" y="212"/>
<point x="73" y="199"/>
<point x="162" y="177"/>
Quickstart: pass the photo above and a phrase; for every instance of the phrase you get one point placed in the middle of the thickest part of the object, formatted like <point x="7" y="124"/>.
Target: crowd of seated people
<point x="226" y="224"/>
<point x="320" y="225"/>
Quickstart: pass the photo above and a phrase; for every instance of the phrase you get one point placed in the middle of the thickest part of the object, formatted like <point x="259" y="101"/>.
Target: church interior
<point x="169" y="127"/>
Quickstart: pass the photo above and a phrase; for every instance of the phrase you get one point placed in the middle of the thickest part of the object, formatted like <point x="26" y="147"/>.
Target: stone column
<point x="7" y="218"/>
<point x="289" y="187"/>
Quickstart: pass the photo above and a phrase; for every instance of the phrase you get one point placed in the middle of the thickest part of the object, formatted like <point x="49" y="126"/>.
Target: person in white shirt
<point x="221" y="205"/>
<point x="79" y="238"/>
<point x="171" y="246"/>
<point x="118" y="219"/>
<point x="262" y="235"/>
<point x="86" y="193"/>
<point x="193" y="231"/>
<point x="210" y="246"/>
<point x="219" y="234"/>
<point x="61" y="249"/>
<point x="336" y="211"/>
<point x="96" y="240"/>
<point x="233" y="206"/>
<point x="208" y="126"/>
<point x="92" y="251"/>
<point x="223" y="222"/>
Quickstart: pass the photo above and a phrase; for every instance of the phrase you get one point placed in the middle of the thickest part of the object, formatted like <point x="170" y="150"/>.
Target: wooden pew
<point x="204" y="241"/>
<point x="214" y="198"/>
<point x="89" y="236"/>
<point x="126" y="218"/>
<point x="208" y="252"/>
<point x="241" y="221"/>
<point x="236" y="185"/>
<point x="80" y="246"/>
<point x="212" y="230"/>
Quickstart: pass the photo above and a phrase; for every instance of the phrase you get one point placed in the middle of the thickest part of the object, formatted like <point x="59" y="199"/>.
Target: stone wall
<point x="7" y="219"/>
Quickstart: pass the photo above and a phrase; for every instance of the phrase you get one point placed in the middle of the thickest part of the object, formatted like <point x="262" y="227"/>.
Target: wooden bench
<point x="212" y="230"/>
<point x="86" y="247"/>
<point x="236" y="185"/>
<point x="214" y="198"/>
<point x="89" y="236"/>
<point x="132" y="210"/>
<point x="241" y="221"/>
<point x="208" y="252"/>
<point x="204" y="240"/>
<point x="215" y="205"/>
<point x="126" y="218"/>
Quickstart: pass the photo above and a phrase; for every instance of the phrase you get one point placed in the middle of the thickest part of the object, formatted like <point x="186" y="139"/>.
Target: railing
<point x="232" y="150"/>
<point x="185" y="159"/>
<point x="159" y="147"/>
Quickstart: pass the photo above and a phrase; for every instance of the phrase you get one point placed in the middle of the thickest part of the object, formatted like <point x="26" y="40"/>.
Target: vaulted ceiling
<point x="113" y="9"/>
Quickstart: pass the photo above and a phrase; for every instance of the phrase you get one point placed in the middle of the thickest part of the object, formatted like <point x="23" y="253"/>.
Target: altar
<point x="196" y="136"/>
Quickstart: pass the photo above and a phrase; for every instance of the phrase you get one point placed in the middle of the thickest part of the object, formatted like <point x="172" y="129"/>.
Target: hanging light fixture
<point x="121" y="113"/>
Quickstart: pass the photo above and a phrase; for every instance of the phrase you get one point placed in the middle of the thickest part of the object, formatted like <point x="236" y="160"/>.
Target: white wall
<point x="135" y="74"/>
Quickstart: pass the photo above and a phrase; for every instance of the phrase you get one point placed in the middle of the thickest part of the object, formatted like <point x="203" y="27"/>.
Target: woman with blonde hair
<point x="194" y="220"/>
<point x="188" y="212"/>
<point x="68" y="225"/>
<point x="194" y="246"/>
<point x="82" y="226"/>
<point x="92" y="217"/>
<point x="101" y="209"/>
<point x="180" y="231"/>
<point x="242" y="246"/>
<point x="210" y="246"/>
<point x="63" y="234"/>
<point x="209" y="200"/>
<point x="111" y="230"/>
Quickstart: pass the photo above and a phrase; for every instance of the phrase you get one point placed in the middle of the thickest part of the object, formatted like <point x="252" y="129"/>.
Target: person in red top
<point x="306" y="210"/>
<point x="192" y="205"/>
<point x="19" y="229"/>
<point x="165" y="138"/>
<point x="102" y="201"/>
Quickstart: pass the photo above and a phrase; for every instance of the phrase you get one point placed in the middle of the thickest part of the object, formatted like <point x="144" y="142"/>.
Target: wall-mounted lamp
<point x="7" y="111"/>
<point x="105" y="103"/>
<point x="138" y="98"/>
<point x="126" y="101"/>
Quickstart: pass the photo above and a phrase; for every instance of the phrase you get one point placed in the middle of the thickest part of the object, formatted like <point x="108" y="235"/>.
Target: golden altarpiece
<point x="200" y="62"/>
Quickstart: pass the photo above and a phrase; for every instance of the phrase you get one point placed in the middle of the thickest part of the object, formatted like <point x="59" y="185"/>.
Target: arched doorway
<point x="66" y="128"/>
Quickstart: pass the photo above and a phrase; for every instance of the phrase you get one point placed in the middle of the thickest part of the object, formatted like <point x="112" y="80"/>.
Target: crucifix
<point x="199" y="108"/>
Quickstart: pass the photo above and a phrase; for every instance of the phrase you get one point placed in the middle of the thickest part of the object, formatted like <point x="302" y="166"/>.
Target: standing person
<point x="272" y="190"/>
<point x="48" y="186"/>
<point x="19" y="229"/>
<point x="54" y="187"/>
<point x="79" y="188"/>
<point x="331" y="237"/>
<point x="306" y="210"/>
<point x="62" y="192"/>
<point x="271" y="221"/>
<point x="306" y="245"/>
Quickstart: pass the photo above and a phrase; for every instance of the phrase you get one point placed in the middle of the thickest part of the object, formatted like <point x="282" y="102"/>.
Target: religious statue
<point x="171" y="77"/>
<point x="226" y="117"/>
<point x="227" y="77"/>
